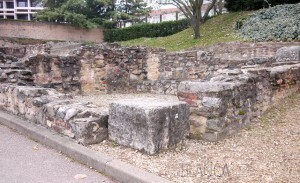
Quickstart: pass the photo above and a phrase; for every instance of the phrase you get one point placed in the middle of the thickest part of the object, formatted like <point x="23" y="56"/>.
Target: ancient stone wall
<point x="59" y="72"/>
<point x="226" y="103"/>
<point x="245" y="51"/>
<point x="111" y="68"/>
<point x="225" y="94"/>
<point x="84" y="122"/>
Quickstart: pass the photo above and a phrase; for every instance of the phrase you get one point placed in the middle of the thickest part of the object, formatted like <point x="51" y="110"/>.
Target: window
<point x="22" y="3"/>
<point x="10" y="17"/>
<point x="10" y="5"/>
<point x="22" y="17"/>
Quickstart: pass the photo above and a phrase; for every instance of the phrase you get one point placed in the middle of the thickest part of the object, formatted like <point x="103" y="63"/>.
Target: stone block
<point x="291" y="53"/>
<point x="85" y="122"/>
<point x="148" y="124"/>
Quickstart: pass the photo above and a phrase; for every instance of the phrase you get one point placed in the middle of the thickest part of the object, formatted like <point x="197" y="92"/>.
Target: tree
<point x="218" y="8"/>
<point x="82" y="13"/>
<point x="130" y="11"/>
<point x="192" y="10"/>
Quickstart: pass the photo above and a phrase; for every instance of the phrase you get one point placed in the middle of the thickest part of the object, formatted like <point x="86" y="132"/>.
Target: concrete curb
<point x="111" y="167"/>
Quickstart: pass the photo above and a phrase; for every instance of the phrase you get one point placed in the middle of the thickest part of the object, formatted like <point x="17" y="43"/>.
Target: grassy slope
<point x="215" y="30"/>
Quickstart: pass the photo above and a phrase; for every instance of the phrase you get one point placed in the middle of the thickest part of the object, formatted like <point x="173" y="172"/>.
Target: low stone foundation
<point x="84" y="122"/>
<point x="227" y="103"/>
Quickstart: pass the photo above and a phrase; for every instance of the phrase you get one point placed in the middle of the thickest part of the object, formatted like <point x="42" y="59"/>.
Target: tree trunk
<point x="220" y="7"/>
<point x="215" y="10"/>
<point x="196" y="28"/>
<point x="212" y="4"/>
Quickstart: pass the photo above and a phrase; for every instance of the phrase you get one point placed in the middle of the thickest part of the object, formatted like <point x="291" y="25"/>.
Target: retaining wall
<point x="48" y="31"/>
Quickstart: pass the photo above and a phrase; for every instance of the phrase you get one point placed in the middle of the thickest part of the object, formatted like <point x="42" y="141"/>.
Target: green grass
<point x="215" y="30"/>
<point x="23" y="41"/>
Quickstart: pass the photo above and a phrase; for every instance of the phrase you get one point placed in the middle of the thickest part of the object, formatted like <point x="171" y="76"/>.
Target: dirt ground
<point x="266" y="151"/>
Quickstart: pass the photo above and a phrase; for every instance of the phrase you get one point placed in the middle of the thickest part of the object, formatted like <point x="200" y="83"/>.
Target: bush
<point x="245" y="5"/>
<point x="109" y="24"/>
<point x="145" y="30"/>
<point x="279" y="23"/>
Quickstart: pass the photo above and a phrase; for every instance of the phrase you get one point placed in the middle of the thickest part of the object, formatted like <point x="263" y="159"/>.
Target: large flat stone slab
<point x="148" y="124"/>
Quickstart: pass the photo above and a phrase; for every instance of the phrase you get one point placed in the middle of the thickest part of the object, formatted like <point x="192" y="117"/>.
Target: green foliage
<point x="132" y="10"/>
<point x="107" y="24"/>
<point x="82" y="13"/>
<point x="279" y="23"/>
<point x="241" y="113"/>
<point x="88" y="43"/>
<point x="243" y="5"/>
<point x="146" y="30"/>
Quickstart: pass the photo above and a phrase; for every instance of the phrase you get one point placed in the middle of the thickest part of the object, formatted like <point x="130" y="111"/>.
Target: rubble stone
<point x="291" y="53"/>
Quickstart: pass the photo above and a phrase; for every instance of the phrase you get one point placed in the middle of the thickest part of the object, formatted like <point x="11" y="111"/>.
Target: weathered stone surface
<point x="26" y="101"/>
<point x="221" y="107"/>
<point x="226" y="85"/>
<point x="85" y="122"/>
<point x="291" y="53"/>
<point x="59" y="72"/>
<point x="67" y="117"/>
<point x="147" y="124"/>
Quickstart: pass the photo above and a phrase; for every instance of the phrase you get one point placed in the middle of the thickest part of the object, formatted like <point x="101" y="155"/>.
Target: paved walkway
<point x="25" y="161"/>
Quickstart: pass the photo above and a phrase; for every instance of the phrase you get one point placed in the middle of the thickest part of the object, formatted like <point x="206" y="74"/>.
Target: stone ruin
<point x="220" y="89"/>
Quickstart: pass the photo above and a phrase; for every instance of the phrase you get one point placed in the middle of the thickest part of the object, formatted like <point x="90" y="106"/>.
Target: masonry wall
<point x="84" y="122"/>
<point x="220" y="108"/>
<point x="224" y="94"/>
<point x="48" y="31"/>
<point x="246" y="51"/>
<point x="109" y="68"/>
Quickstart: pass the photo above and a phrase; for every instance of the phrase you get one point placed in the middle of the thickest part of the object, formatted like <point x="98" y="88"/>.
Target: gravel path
<point x="266" y="151"/>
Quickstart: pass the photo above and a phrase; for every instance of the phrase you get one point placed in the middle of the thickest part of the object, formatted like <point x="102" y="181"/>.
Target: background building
<point x="164" y="10"/>
<point x="19" y="9"/>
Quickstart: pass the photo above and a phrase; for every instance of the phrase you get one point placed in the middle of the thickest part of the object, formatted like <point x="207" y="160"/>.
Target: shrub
<point x="145" y="30"/>
<point x="107" y="24"/>
<point x="279" y="23"/>
<point x="243" y="5"/>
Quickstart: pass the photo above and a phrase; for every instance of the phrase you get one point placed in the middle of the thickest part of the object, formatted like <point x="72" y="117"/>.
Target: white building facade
<point x="162" y="10"/>
<point x="165" y="10"/>
<point x="19" y="9"/>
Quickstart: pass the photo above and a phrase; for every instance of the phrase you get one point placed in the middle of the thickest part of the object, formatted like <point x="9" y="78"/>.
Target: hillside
<point x="215" y="30"/>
